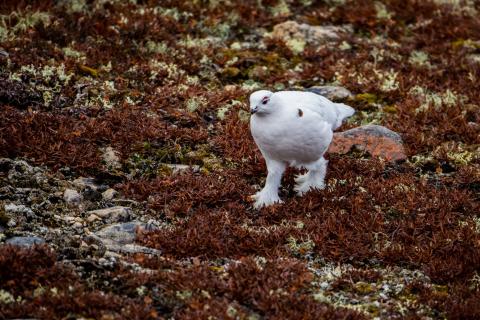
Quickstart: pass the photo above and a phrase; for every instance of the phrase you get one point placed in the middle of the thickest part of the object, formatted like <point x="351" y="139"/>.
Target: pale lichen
<point x="382" y="12"/>
<point x="419" y="59"/>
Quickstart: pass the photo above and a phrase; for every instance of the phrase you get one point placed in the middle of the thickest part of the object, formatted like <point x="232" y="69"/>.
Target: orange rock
<point x="376" y="140"/>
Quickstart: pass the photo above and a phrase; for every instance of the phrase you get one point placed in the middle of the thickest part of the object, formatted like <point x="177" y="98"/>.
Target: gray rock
<point x="133" y="248"/>
<point x="25" y="241"/>
<point x="113" y="214"/>
<point x="72" y="197"/>
<point x="82" y="183"/>
<point x="120" y="233"/>
<point x="18" y="208"/>
<point x="331" y="92"/>
<point x="120" y="238"/>
<point x="109" y="194"/>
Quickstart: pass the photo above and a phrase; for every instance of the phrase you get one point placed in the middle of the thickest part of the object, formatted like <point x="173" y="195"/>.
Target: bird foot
<point x="301" y="178"/>
<point x="265" y="199"/>
<point x="308" y="185"/>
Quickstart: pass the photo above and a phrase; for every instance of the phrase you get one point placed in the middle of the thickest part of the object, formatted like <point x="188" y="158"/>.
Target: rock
<point x="82" y="183"/>
<point x="72" y="197"/>
<point x="120" y="233"/>
<point x="109" y="194"/>
<point x="296" y="35"/>
<point x="111" y="158"/>
<point x="25" y="241"/>
<point x="333" y="93"/>
<point x="376" y="140"/>
<point x="77" y="225"/>
<point x="120" y="237"/>
<point x="18" y="208"/>
<point x="113" y="214"/>
<point x="92" y="218"/>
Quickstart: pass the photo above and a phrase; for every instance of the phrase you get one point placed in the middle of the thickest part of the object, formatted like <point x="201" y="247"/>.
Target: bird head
<point x="260" y="102"/>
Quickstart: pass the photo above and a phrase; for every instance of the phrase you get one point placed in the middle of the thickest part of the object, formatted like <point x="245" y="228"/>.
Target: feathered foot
<point x="265" y="198"/>
<point x="313" y="179"/>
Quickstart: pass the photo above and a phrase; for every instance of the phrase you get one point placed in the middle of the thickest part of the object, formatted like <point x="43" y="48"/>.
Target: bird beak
<point x="254" y="110"/>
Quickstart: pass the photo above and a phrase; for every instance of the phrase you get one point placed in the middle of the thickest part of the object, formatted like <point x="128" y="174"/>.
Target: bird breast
<point x="295" y="136"/>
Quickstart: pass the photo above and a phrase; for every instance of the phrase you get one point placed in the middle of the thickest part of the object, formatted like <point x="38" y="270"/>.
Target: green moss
<point x="367" y="98"/>
<point x="230" y="72"/>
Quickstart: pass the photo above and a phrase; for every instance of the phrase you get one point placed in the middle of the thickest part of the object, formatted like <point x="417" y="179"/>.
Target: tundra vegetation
<point x="148" y="99"/>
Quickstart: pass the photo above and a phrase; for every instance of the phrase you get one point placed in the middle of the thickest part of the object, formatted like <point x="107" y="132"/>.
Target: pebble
<point x="109" y="194"/>
<point x="120" y="233"/>
<point x="77" y="225"/>
<point x="72" y="197"/>
<point x="113" y="214"/>
<point x="83" y="182"/>
<point x="92" y="218"/>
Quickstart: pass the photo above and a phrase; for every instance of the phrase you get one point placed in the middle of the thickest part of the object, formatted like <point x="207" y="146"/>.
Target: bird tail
<point x="343" y="112"/>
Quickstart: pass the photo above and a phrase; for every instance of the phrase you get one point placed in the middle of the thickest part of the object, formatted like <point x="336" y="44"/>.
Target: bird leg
<point x="314" y="178"/>
<point x="269" y="194"/>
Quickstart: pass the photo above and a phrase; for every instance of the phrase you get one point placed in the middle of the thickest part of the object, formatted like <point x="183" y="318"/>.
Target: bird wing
<point x="333" y="113"/>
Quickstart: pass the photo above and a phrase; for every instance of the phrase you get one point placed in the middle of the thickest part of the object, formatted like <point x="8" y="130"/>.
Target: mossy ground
<point x="167" y="83"/>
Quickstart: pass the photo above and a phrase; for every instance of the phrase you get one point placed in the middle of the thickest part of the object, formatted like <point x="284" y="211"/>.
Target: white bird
<point x="293" y="128"/>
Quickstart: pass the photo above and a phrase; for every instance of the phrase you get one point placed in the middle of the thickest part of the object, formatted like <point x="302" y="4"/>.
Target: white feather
<point x="293" y="128"/>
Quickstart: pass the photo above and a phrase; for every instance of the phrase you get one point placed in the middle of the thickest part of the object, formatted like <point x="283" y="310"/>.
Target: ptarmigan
<point x="293" y="128"/>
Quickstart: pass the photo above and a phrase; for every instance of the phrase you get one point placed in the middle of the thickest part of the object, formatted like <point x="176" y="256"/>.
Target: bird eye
<point x="265" y="100"/>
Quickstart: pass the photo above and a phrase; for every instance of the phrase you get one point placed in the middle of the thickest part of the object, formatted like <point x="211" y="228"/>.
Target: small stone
<point x="377" y="140"/>
<point x="230" y="87"/>
<point x="120" y="238"/>
<point x="120" y="233"/>
<point x="333" y="93"/>
<point x="72" y="197"/>
<point x="109" y="194"/>
<point x="82" y="183"/>
<point x="77" y="225"/>
<point x="113" y="214"/>
<point x="25" y="241"/>
<point x="92" y="218"/>
<point x="69" y="219"/>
